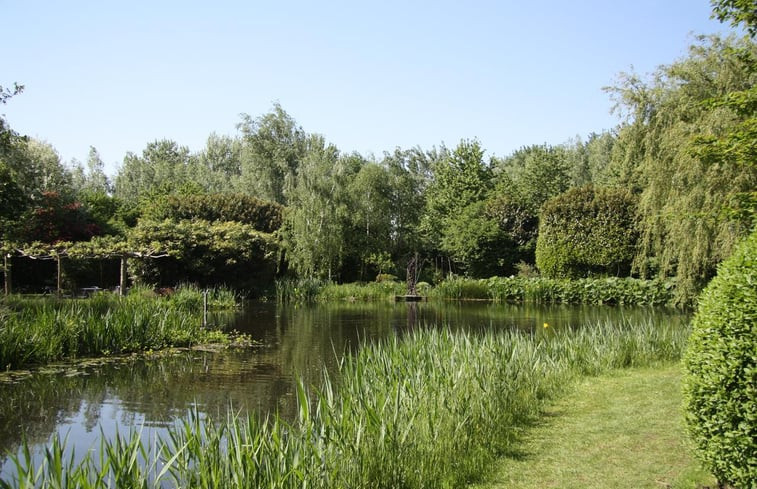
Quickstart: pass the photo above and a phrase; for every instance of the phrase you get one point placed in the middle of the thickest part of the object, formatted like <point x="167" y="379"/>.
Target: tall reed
<point x="42" y="330"/>
<point x="608" y="290"/>
<point x="431" y="409"/>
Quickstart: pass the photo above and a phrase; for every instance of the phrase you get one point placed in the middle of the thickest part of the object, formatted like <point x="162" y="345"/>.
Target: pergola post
<point x="122" y="278"/>
<point x="7" y="273"/>
<point x="59" y="289"/>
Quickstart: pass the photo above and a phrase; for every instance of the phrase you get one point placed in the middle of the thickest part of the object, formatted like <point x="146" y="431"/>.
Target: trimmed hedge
<point x="586" y="231"/>
<point x="261" y="215"/>
<point x="720" y="385"/>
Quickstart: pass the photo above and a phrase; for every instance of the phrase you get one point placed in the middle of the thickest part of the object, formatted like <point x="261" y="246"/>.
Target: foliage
<point x="314" y="233"/>
<point x="685" y="224"/>
<point x="611" y="290"/>
<point x="202" y="252"/>
<point x="534" y="174"/>
<point x="721" y="370"/>
<point x="163" y="167"/>
<point x="273" y="148"/>
<point x="433" y="409"/>
<point x="43" y="330"/>
<point x="370" y="291"/>
<point x="261" y="215"/>
<point x="13" y="201"/>
<point x="455" y="216"/>
<point x="54" y="218"/>
<point x="737" y="12"/>
<point x="586" y="231"/>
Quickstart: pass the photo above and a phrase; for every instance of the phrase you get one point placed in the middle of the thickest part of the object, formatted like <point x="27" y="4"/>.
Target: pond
<point x="88" y="400"/>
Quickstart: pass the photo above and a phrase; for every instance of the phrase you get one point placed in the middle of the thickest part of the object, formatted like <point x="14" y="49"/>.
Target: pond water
<point x="86" y="401"/>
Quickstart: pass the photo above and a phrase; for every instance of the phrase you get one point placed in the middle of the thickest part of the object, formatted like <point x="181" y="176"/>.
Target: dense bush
<point x="206" y="253"/>
<point x="262" y="215"/>
<point x="586" y="231"/>
<point x="721" y="370"/>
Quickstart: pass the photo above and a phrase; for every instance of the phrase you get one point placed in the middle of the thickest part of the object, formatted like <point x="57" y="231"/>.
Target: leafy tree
<point x="162" y="168"/>
<point x="314" y="230"/>
<point x="523" y="182"/>
<point x="685" y="224"/>
<point x="535" y="173"/>
<point x="56" y="218"/>
<point x="273" y="148"/>
<point x="410" y="174"/>
<point x="370" y="219"/>
<point x="7" y="135"/>
<point x="586" y="231"/>
<point x="737" y="12"/>
<point x="455" y="216"/>
<point x="219" y="165"/>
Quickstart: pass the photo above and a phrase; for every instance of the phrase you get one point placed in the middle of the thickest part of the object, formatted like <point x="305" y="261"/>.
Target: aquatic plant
<point x="41" y="330"/>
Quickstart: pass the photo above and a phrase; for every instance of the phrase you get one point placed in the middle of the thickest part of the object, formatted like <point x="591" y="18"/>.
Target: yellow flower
<point x="546" y="325"/>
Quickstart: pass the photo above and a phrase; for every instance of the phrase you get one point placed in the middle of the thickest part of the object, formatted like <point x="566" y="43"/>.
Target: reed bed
<point x="537" y="290"/>
<point x="431" y="409"/>
<point x="43" y="330"/>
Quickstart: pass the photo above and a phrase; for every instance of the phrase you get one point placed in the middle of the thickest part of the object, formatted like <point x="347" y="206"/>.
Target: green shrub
<point x="721" y="370"/>
<point x="585" y="232"/>
<point x="261" y="215"/>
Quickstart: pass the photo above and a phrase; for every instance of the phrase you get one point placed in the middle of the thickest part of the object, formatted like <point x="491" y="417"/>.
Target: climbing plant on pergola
<point x="98" y="248"/>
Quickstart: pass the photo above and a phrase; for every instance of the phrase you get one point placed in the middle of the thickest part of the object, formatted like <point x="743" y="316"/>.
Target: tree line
<point x="667" y="193"/>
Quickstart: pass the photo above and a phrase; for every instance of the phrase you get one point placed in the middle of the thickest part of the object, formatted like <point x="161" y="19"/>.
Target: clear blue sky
<point x="368" y="76"/>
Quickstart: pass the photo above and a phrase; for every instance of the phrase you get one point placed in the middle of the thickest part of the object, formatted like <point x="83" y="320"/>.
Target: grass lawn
<point x="623" y="430"/>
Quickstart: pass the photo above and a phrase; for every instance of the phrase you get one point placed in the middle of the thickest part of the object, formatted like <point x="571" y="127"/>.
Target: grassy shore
<point x="622" y="430"/>
<point x="434" y="408"/>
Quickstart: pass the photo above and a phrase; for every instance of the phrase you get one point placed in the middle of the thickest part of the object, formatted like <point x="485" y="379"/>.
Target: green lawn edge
<point x="622" y="430"/>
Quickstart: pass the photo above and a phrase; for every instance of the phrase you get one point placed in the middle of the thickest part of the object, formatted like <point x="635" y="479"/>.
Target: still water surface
<point x="88" y="401"/>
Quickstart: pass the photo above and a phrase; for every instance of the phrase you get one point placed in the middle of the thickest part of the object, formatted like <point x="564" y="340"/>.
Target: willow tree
<point x="314" y="227"/>
<point x="684" y="223"/>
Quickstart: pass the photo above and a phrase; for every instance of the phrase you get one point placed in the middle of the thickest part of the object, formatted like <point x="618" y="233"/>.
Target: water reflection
<point x="90" y="400"/>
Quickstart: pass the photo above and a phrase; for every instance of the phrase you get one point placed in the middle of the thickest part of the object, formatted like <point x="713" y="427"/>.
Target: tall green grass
<point x="42" y="330"/>
<point x="609" y="290"/>
<point x="315" y="290"/>
<point x="432" y="409"/>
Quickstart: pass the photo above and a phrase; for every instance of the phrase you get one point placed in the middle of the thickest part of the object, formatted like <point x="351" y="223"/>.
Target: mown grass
<point x="435" y="408"/>
<point x="609" y="290"/>
<point x="42" y="330"/>
<point x="623" y="430"/>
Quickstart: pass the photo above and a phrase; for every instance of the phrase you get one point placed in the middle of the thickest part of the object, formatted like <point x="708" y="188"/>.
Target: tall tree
<point x="274" y="146"/>
<point x="162" y="168"/>
<point x="685" y="227"/>
<point x="455" y="213"/>
<point x="314" y="228"/>
<point x="92" y="179"/>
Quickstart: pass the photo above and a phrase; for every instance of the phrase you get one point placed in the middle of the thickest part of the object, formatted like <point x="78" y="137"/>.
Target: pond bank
<point x="622" y="430"/>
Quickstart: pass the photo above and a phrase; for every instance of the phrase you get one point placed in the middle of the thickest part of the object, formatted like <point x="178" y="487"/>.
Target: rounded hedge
<point x="720" y="385"/>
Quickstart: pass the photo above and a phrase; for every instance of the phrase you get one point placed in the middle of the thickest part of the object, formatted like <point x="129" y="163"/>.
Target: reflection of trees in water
<point x="297" y="342"/>
<point x="159" y="390"/>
